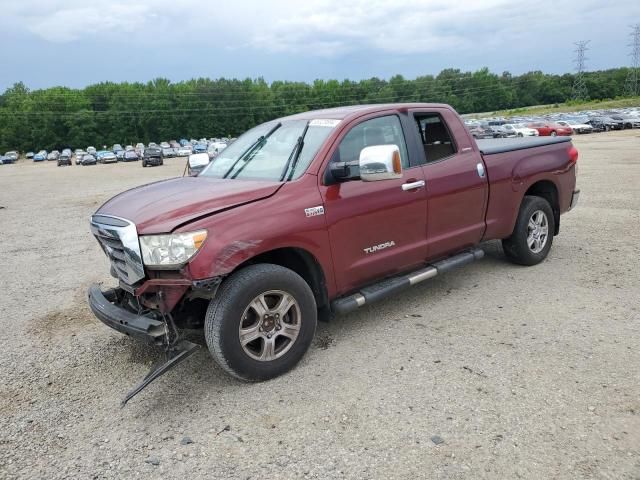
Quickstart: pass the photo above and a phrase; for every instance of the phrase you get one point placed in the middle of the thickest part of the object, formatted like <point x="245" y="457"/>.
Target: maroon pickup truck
<point x="316" y="214"/>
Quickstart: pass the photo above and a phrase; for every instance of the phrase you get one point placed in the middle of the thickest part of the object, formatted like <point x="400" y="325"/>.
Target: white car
<point x="185" y="151"/>
<point x="575" y="126"/>
<point x="519" y="130"/>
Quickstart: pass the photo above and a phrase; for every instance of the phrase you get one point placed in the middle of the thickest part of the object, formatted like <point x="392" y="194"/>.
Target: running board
<point x="391" y="286"/>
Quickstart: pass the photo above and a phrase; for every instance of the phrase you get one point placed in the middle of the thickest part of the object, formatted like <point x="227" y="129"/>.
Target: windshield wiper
<point x="250" y="150"/>
<point x="295" y="155"/>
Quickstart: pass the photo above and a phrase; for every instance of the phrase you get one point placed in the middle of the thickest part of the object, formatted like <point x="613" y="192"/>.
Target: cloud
<point x="69" y="24"/>
<point x="333" y="28"/>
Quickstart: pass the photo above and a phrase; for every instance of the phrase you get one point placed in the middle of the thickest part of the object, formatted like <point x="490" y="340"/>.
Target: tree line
<point x="158" y="110"/>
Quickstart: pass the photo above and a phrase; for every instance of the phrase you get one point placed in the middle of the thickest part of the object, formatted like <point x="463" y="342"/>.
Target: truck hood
<point x="163" y="206"/>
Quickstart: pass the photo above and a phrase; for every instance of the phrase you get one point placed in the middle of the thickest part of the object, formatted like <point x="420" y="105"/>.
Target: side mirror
<point x="197" y="162"/>
<point x="380" y="162"/>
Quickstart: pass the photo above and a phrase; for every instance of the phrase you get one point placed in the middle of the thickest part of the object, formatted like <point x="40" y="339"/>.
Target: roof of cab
<point x="348" y="112"/>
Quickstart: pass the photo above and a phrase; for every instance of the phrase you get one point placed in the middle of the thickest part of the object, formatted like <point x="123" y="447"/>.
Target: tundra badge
<point x="314" y="211"/>
<point x="382" y="246"/>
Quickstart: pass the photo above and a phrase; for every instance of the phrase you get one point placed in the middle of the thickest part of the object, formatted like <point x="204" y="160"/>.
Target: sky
<point x="75" y="43"/>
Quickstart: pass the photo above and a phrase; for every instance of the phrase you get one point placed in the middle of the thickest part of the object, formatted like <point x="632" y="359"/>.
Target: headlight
<point x="174" y="250"/>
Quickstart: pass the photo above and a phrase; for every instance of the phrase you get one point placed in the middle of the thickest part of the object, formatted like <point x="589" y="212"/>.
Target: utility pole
<point x="632" y="85"/>
<point x="579" y="86"/>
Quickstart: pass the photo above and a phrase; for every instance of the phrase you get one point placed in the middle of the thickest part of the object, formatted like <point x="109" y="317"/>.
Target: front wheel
<point x="531" y="240"/>
<point x="261" y="322"/>
<point x="553" y="133"/>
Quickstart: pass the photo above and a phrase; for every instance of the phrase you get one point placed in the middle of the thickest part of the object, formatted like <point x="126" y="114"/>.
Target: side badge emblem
<point x="314" y="211"/>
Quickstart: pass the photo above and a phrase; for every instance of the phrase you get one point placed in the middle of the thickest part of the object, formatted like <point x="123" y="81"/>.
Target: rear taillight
<point x="573" y="155"/>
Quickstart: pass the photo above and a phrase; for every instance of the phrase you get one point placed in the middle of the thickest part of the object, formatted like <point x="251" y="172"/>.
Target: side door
<point x="375" y="228"/>
<point x="456" y="181"/>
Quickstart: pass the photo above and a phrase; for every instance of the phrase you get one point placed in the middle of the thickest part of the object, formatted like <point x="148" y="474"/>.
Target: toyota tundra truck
<point x="318" y="214"/>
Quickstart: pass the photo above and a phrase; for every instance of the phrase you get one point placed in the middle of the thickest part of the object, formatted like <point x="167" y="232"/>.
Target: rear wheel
<point x="553" y="133"/>
<point x="261" y="322"/>
<point x="531" y="240"/>
<point x="144" y="163"/>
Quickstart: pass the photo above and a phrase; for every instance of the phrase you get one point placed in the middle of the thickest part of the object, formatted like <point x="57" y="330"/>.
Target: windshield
<point x="248" y="157"/>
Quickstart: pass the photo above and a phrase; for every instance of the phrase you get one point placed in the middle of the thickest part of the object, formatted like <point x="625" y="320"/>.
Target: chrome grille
<point x="119" y="240"/>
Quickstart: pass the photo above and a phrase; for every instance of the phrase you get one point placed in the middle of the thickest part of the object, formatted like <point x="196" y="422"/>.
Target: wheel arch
<point x="300" y="261"/>
<point x="549" y="191"/>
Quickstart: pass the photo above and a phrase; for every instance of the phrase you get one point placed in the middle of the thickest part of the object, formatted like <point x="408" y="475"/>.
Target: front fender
<point x="244" y="232"/>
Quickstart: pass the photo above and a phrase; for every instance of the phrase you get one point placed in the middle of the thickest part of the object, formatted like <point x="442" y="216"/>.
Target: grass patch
<point x="570" y="106"/>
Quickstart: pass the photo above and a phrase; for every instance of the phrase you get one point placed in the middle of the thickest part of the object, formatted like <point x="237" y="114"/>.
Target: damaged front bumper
<point x="104" y="307"/>
<point x="107" y="308"/>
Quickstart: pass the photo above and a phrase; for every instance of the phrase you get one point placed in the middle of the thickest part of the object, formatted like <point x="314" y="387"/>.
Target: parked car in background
<point x="552" y="129"/>
<point x="478" y="132"/>
<point x="106" y="156"/>
<point x="40" y="156"/>
<point x="64" y="158"/>
<point x="185" y="150"/>
<point x="200" y="148"/>
<point x="11" y="157"/>
<point x="29" y="155"/>
<point x="116" y="148"/>
<point x="130" y="156"/>
<point x="152" y="156"/>
<point x="220" y="146"/>
<point x="576" y="126"/>
<point x="174" y="144"/>
<point x="128" y="148"/>
<point x="79" y="153"/>
<point x="183" y="142"/>
<point x="92" y="151"/>
<point x="165" y="145"/>
<point x="88" y="159"/>
<point x="628" y="121"/>
<point x="168" y="152"/>
<point x="120" y="155"/>
<point x="2" y="160"/>
<point x="604" y="124"/>
<point x="212" y="152"/>
<point x="520" y="130"/>
<point x="53" y="155"/>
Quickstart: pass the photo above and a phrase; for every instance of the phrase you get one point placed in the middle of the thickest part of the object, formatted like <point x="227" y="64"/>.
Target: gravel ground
<point x="492" y="371"/>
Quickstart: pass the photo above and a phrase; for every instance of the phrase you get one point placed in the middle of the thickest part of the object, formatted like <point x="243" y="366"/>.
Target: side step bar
<point x="391" y="286"/>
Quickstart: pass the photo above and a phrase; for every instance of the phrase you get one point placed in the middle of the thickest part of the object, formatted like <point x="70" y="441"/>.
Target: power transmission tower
<point x="579" y="86"/>
<point x="632" y="85"/>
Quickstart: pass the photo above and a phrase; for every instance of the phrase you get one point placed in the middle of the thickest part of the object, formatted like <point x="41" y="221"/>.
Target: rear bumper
<point x="153" y="160"/>
<point x="574" y="199"/>
<point x="103" y="306"/>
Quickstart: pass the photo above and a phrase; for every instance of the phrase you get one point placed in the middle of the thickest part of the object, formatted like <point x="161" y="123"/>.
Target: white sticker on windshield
<point x="324" y="122"/>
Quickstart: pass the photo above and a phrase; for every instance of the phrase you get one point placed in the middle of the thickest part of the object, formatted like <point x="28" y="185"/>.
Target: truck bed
<point x="501" y="145"/>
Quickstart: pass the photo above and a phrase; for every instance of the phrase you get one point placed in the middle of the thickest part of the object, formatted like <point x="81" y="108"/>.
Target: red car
<point x="318" y="214"/>
<point x="546" y="129"/>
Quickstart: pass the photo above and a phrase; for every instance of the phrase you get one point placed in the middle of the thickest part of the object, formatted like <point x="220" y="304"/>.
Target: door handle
<point x="413" y="185"/>
<point x="480" y="169"/>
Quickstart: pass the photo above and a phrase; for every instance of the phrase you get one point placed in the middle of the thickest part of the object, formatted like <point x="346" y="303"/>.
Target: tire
<point x="520" y="135"/>
<point x="144" y="163"/>
<point x="553" y="133"/>
<point x="517" y="247"/>
<point x="232" y="306"/>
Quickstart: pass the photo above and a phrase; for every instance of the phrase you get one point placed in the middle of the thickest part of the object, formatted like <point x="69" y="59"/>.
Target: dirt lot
<point x="493" y="371"/>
